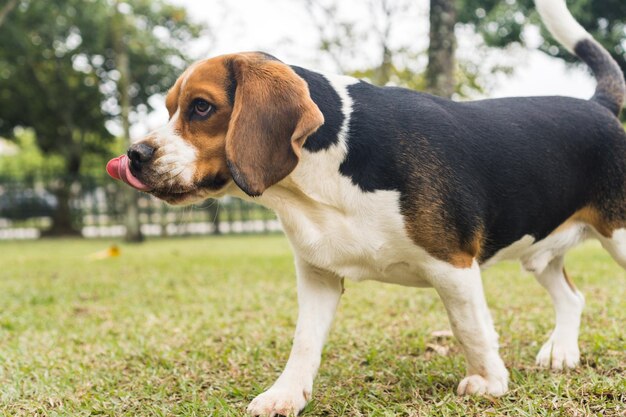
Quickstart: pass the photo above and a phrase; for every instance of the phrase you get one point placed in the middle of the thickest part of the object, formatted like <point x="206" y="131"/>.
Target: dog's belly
<point x="535" y="256"/>
<point x="370" y="245"/>
<point x="360" y="263"/>
<point x="385" y="266"/>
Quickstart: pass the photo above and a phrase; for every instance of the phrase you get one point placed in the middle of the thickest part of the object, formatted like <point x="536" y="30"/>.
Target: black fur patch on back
<point x="375" y="117"/>
<point x="507" y="167"/>
<point x="491" y="171"/>
<point x="329" y="103"/>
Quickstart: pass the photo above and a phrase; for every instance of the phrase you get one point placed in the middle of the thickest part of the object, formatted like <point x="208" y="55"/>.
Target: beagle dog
<point x="402" y="187"/>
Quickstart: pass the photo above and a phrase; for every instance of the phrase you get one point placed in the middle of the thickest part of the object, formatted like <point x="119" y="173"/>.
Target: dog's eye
<point x="200" y="109"/>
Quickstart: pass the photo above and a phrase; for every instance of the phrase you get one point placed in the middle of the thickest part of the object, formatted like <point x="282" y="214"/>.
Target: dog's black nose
<point x="139" y="154"/>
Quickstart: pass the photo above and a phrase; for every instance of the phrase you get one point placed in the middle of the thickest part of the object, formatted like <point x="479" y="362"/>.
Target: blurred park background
<point x="81" y="79"/>
<point x="191" y="327"/>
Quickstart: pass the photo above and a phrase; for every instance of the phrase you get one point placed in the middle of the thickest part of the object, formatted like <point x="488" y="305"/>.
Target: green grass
<point x="198" y="327"/>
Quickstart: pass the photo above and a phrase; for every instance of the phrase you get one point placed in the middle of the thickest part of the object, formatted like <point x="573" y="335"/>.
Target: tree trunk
<point x="214" y="215"/>
<point x="440" y="78"/>
<point x="62" y="218"/>
<point x="382" y="75"/>
<point x="62" y="224"/>
<point x="132" y="222"/>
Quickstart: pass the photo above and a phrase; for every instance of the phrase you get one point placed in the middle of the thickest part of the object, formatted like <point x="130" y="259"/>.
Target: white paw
<point x="479" y="385"/>
<point x="558" y="355"/>
<point x="279" y="402"/>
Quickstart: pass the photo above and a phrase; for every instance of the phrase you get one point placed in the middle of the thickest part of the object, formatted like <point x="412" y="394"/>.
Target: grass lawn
<point x="198" y="327"/>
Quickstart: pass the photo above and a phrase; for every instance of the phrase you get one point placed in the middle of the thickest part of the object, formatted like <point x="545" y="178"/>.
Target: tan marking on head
<point x="173" y="171"/>
<point x="171" y="99"/>
<point x="207" y="81"/>
<point x="188" y="72"/>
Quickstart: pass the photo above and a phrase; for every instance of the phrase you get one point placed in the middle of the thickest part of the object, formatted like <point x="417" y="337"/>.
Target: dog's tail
<point x="611" y="89"/>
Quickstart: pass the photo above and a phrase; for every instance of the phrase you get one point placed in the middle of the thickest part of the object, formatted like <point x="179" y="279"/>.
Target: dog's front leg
<point x="318" y="296"/>
<point x="462" y="293"/>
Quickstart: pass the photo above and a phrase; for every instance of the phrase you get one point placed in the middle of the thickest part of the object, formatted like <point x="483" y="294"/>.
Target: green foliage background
<point x="502" y="22"/>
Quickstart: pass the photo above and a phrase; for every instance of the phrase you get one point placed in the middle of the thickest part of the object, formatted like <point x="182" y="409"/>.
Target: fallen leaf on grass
<point x="111" y="252"/>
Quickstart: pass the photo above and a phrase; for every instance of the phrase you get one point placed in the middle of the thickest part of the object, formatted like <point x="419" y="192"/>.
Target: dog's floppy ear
<point x="272" y="116"/>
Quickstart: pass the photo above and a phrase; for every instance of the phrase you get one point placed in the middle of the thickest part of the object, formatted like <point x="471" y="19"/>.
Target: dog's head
<point x="241" y="117"/>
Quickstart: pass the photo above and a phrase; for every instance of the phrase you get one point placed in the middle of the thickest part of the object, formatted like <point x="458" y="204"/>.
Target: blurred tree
<point x="6" y="9"/>
<point x="29" y="161"/>
<point x="502" y="22"/>
<point x="401" y="64"/>
<point x="441" y="69"/>
<point x="337" y="37"/>
<point x="41" y="89"/>
<point x="499" y="23"/>
<point x="119" y="27"/>
<point x="59" y="75"/>
<point x="340" y="38"/>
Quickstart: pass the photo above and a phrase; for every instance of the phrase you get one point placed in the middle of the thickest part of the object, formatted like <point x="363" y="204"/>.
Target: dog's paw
<point x="279" y="402"/>
<point x="558" y="355"/>
<point x="479" y="385"/>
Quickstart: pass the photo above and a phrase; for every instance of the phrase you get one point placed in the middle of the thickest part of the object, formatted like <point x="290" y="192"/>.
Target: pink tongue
<point x="119" y="169"/>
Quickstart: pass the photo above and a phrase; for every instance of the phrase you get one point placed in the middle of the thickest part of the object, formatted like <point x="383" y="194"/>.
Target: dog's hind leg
<point x="561" y="349"/>
<point x="616" y="245"/>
